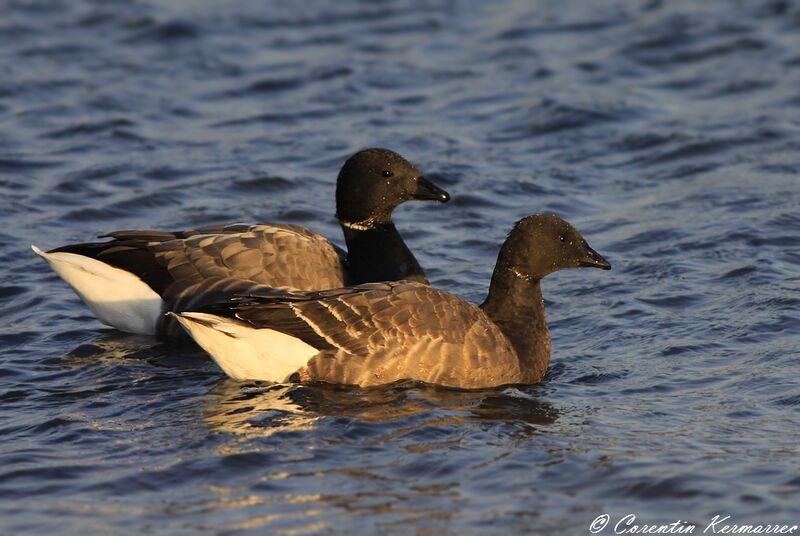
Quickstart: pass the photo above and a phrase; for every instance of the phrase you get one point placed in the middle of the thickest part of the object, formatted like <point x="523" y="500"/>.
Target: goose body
<point x="365" y="335"/>
<point x="378" y="333"/>
<point x="131" y="280"/>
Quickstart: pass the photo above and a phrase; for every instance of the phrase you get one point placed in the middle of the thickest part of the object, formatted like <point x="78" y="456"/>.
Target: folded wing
<point x="274" y="255"/>
<point x="378" y="333"/>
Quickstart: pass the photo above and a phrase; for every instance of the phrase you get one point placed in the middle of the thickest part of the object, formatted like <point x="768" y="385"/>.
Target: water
<point x="667" y="132"/>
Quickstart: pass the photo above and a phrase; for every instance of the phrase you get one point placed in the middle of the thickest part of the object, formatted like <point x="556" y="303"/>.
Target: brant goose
<point x="129" y="281"/>
<point x="379" y="333"/>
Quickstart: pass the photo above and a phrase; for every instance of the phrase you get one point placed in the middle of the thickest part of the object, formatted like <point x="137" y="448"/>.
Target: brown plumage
<point x="382" y="332"/>
<point x="379" y="333"/>
<point x="274" y="255"/>
<point x="271" y="254"/>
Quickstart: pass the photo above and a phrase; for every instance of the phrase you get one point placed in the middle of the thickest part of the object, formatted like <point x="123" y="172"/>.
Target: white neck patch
<point x="521" y="275"/>
<point x="358" y="225"/>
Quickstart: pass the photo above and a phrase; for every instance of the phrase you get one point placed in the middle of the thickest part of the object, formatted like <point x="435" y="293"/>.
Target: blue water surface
<point x="667" y="132"/>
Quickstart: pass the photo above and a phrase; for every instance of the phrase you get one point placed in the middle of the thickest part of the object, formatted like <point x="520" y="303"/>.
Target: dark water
<point x="667" y="132"/>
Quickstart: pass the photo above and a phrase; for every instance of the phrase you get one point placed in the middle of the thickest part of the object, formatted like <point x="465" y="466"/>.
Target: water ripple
<point x="663" y="130"/>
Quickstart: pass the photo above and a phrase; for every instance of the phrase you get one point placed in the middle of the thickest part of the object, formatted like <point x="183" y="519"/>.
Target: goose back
<point x="378" y="333"/>
<point x="270" y="254"/>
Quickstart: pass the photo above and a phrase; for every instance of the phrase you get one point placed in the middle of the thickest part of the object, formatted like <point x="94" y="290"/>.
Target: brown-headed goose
<point x="379" y="333"/>
<point x="129" y="281"/>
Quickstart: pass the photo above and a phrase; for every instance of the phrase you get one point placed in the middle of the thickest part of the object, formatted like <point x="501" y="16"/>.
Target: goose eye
<point x="387" y="173"/>
<point x="562" y="238"/>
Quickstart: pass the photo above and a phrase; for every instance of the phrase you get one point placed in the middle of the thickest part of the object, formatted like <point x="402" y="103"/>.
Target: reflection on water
<point x="110" y="345"/>
<point x="667" y="132"/>
<point x="393" y="437"/>
<point x="244" y="409"/>
<point x="114" y="348"/>
<point x="253" y="408"/>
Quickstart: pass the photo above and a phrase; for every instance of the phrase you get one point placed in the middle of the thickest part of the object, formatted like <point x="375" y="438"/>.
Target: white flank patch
<point x="116" y="297"/>
<point x="244" y="352"/>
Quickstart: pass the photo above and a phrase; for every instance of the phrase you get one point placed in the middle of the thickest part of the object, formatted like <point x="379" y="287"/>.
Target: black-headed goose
<point x="378" y="333"/>
<point x="129" y="281"/>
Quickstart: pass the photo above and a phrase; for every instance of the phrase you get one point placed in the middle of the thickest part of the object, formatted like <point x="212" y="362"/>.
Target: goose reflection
<point x="255" y="409"/>
<point x="114" y="345"/>
<point x="263" y="409"/>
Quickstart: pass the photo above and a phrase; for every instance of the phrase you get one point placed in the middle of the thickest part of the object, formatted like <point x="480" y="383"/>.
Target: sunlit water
<point x="667" y="132"/>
